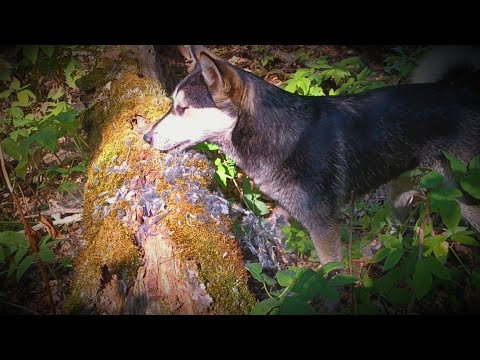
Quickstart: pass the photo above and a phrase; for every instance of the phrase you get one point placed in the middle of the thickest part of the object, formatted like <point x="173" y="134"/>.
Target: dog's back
<point x="309" y="153"/>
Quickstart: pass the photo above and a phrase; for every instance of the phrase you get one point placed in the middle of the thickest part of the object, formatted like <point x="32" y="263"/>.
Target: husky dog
<point x="308" y="153"/>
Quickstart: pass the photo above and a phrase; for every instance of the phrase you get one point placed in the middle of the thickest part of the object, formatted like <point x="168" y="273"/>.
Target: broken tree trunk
<point x="157" y="240"/>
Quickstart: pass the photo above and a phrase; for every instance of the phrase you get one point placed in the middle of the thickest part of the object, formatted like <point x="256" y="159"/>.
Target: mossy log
<point x="157" y="238"/>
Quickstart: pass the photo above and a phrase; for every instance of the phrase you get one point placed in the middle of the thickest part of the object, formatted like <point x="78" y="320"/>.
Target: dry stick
<point x="28" y="232"/>
<point x="350" y="247"/>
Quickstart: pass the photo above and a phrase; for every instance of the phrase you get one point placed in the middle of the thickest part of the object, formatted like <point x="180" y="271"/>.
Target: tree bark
<point x="158" y="238"/>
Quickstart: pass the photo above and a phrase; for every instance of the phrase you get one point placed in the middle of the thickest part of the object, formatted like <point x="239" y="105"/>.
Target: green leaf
<point x="55" y="93"/>
<point x="24" y="265"/>
<point x="464" y="239"/>
<point x="343" y="279"/>
<point x="47" y="49"/>
<point x="441" y="251"/>
<point x="31" y="51"/>
<point x="19" y="255"/>
<point x="437" y="268"/>
<point x="5" y="74"/>
<point x="256" y="270"/>
<point x="392" y="259"/>
<point x="475" y="164"/>
<point x="23" y="96"/>
<point x="46" y="255"/>
<point x="451" y="214"/>
<point x="458" y="166"/>
<point x="67" y="262"/>
<point x="13" y="239"/>
<point x="431" y="180"/>
<point x="443" y="194"/>
<point x="47" y="137"/>
<point x="5" y="94"/>
<point x="471" y="184"/>
<point x="422" y="279"/>
<point x="432" y="241"/>
<point x="398" y="296"/>
<point x="260" y="208"/>
<point x="380" y="255"/>
<point x="14" y="84"/>
<point x="264" y="307"/>
<point x="285" y="277"/>
<point x="325" y="269"/>
<point x="11" y="148"/>
<point x="2" y="255"/>
<point x="295" y="305"/>
<point x="207" y="146"/>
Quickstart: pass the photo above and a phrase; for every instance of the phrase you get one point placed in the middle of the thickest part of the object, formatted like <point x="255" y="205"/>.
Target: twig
<point x="460" y="261"/>
<point x="28" y="232"/>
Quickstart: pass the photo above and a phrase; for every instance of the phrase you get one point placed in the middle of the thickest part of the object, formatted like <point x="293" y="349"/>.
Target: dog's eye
<point x="180" y="110"/>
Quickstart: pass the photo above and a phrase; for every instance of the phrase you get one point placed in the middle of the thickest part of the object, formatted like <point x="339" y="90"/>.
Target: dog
<point x="309" y="153"/>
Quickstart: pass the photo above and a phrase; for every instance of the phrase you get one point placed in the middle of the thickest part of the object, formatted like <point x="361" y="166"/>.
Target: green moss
<point x="108" y="242"/>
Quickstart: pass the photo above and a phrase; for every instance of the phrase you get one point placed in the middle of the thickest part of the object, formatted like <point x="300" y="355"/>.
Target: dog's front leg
<point x="326" y="238"/>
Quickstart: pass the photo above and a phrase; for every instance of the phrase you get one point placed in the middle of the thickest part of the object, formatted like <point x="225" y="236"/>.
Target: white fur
<point x="194" y="126"/>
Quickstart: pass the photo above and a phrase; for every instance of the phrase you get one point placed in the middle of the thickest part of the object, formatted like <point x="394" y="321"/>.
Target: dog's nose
<point x="147" y="138"/>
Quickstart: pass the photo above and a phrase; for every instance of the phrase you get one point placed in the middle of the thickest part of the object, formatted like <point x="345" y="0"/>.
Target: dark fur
<point x="309" y="153"/>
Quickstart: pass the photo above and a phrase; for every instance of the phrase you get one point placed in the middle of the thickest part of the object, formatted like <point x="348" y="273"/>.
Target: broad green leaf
<point x="458" y="166"/>
<point x="285" y="277"/>
<point x="464" y="239"/>
<point x="24" y="265"/>
<point x="5" y="94"/>
<point x="441" y="251"/>
<point x="47" y="137"/>
<point x="393" y="259"/>
<point x="295" y="305"/>
<point x="5" y="74"/>
<point x="14" y="84"/>
<point x="444" y="194"/>
<point x="343" y="279"/>
<point x="325" y="269"/>
<point x="207" y="146"/>
<point x="260" y="208"/>
<point x="398" y="296"/>
<point x="255" y="269"/>
<point x="19" y="255"/>
<point x="15" y="112"/>
<point x="23" y="96"/>
<point x="47" y="49"/>
<point x="380" y="255"/>
<point x="2" y="255"/>
<point x="437" y="268"/>
<point x="55" y="93"/>
<point x="450" y="213"/>
<point x="264" y="307"/>
<point x="11" y="148"/>
<point x="67" y="262"/>
<point x="432" y="241"/>
<point x="422" y="279"/>
<point x="13" y="239"/>
<point x="471" y="184"/>
<point x="475" y="164"/>
<point x="291" y="87"/>
<point x="46" y="255"/>
<point x="431" y="180"/>
<point x="31" y="52"/>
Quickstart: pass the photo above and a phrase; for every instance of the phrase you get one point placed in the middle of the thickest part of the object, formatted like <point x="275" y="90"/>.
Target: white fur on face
<point x="194" y="126"/>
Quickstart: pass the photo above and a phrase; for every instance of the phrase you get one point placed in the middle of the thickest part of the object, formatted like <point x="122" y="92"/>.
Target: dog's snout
<point x="148" y="137"/>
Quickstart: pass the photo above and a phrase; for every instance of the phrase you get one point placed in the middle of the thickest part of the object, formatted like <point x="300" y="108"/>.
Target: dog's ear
<point x="195" y="51"/>
<point x="221" y="78"/>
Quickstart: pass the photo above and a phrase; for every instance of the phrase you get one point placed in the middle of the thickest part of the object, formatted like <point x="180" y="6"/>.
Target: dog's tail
<point x="454" y="65"/>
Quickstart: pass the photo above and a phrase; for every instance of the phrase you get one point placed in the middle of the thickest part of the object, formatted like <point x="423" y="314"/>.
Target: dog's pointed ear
<point x="195" y="51"/>
<point x="221" y="78"/>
